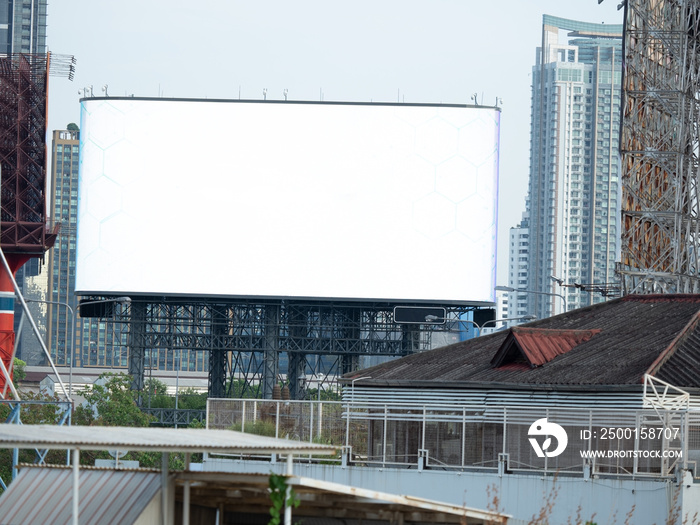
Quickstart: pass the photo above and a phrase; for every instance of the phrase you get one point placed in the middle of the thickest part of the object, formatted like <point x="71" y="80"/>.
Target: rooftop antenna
<point x="285" y="93"/>
<point x="104" y="89"/>
<point x="264" y="93"/>
<point x="474" y="98"/>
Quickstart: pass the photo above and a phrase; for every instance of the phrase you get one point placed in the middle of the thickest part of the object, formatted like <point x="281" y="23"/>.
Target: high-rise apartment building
<point x="517" y="269"/>
<point x="96" y="342"/>
<point x="65" y="148"/>
<point x="574" y="176"/>
<point x="23" y="26"/>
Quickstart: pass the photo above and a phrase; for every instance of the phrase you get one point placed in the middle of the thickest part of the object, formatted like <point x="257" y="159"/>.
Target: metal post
<point x="76" y="485"/>
<point x="177" y="383"/>
<point x="164" y="503"/>
<point x="311" y="421"/>
<point x="534" y="292"/>
<point x="464" y="435"/>
<point x="350" y="405"/>
<point x="72" y="339"/>
<point x="386" y="416"/>
<point x="288" y="493"/>
<point x="186" y="494"/>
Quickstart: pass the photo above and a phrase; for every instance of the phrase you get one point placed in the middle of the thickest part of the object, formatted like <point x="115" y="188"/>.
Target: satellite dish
<point x="118" y="454"/>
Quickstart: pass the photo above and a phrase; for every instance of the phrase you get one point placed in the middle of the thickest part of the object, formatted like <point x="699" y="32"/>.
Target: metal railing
<point x="174" y="417"/>
<point x="600" y="441"/>
<point x="46" y="412"/>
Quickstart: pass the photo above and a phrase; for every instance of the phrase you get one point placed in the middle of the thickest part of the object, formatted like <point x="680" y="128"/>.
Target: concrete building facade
<point x="517" y="269"/>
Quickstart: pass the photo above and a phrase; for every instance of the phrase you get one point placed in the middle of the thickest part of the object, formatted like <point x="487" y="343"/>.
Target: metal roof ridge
<point x="555" y="331"/>
<point x="662" y="297"/>
<point x="670" y="350"/>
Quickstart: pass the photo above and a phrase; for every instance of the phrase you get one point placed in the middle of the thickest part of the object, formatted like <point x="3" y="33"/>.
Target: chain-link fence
<point x="590" y="442"/>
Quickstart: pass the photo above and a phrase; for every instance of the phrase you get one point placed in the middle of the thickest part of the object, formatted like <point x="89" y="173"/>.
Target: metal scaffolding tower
<point x="659" y="147"/>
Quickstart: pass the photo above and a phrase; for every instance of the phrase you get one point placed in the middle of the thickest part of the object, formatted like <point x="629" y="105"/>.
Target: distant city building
<point x="65" y="149"/>
<point x="502" y="299"/>
<point x="32" y="281"/>
<point x="23" y="26"/>
<point x="96" y="342"/>
<point x="49" y="288"/>
<point x="501" y="306"/>
<point x="574" y="179"/>
<point x="517" y="269"/>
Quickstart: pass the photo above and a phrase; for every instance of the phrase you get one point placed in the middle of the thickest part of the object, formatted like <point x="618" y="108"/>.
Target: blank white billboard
<point x="258" y="199"/>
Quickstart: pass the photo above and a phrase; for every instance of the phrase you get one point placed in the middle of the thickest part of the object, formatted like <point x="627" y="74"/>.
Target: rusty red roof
<point x="615" y="344"/>
<point x="538" y="345"/>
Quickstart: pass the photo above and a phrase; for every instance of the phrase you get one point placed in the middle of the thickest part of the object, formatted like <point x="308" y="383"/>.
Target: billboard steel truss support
<point x="244" y="344"/>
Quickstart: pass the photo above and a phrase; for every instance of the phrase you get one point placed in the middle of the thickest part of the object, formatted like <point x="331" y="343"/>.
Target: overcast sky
<point x="360" y="50"/>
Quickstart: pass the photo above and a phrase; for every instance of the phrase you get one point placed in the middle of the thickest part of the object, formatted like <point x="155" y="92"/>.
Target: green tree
<point x="72" y="127"/>
<point x="19" y="371"/>
<point x="156" y="394"/>
<point x="155" y="387"/>
<point x="326" y="395"/>
<point x="240" y="389"/>
<point x="190" y="399"/>
<point x="111" y="402"/>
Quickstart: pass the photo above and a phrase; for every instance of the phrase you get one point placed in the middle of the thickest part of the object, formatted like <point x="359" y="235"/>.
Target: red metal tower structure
<point x="24" y="232"/>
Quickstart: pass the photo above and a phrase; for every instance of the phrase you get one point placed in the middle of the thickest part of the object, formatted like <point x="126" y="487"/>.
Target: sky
<point x="417" y="51"/>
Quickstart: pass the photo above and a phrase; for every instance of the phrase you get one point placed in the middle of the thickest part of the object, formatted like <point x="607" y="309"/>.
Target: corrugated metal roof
<point x="154" y="439"/>
<point x="634" y="331"/>
<point x="681" y="364"/>
<point x="44" y="495"/>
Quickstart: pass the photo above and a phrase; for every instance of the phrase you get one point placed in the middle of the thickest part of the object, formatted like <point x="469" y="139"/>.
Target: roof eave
<point x="494" y="385"/>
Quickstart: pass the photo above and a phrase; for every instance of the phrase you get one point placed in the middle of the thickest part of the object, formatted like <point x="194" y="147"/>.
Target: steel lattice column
<point x="300" y="318"/>
<point x="217" y="353"/>
<point x="137" y="344"/>
<point x="659" y="146"/>
<point x="271" y="357"/>
<point x="351" y="362"/>
<point x="410" y="341"/>
<point x="296" y="374"/>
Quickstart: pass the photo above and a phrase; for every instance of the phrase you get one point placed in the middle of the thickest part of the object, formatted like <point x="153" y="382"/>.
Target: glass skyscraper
<point x="61" y="268"/>
<point x="23" y="26"/>
<point x="573" y="198"/>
